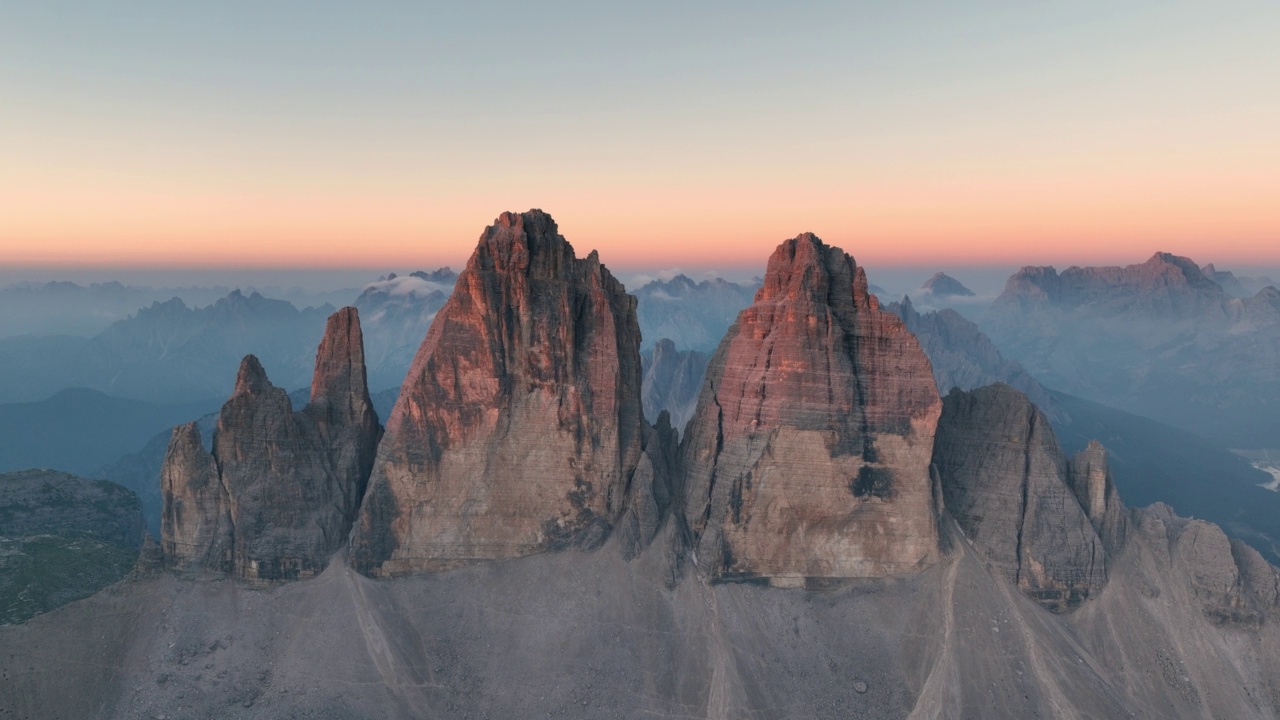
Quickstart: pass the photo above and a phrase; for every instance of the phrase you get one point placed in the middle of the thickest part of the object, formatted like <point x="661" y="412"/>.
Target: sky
<point x="337" y="136"/>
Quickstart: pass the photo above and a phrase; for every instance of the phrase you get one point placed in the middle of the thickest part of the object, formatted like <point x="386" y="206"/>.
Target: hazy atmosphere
<point x="732" y="361"/>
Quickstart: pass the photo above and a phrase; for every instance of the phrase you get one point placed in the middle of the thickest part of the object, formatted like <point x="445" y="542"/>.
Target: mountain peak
<point x="943" y="285"/>
<point x="808" y="270"/>
<point x="1014" y="499"/>
<point x="251" y="378"/>
<point x="818" y="407"/>
<point x="1185" y="265"/>
<point x="340" y="369"/>
<point x="278" y="492"/>
<point x="444" y="275"/>
<point x="532" y="367"/>
<point x="527" y="243"/>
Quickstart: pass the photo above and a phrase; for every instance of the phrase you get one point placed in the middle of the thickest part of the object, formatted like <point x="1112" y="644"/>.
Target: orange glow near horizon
<point x="887" y="225"/>
<point x="1041" y="134"/>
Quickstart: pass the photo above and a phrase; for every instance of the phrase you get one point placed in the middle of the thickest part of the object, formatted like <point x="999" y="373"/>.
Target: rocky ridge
<point x="1234" y="285"/>
<point x="694" y="315"/>
<point x="1165" y="285"/>
<point x="962" y="356"/>
<point x="278" y="493"/>
<point x="62" y="538"/>
<point x="1160" y="339"/>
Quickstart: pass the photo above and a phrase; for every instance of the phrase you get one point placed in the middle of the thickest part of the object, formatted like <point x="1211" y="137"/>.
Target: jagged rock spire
<point x="279" y="491"/>
<point x="251" y="378"/>
<point x="519" y="425"/>
<point x="340" y="369"/>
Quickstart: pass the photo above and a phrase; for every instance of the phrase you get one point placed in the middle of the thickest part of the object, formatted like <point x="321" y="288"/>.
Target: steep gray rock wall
<point x="1007" y="485"/>
<point x="279" y="491"/>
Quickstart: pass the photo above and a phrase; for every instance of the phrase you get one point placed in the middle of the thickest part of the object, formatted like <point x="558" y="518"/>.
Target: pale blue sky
<point x="249" y="133"/>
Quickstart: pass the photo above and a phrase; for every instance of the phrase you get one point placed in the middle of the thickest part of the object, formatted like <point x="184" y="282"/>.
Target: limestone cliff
<point x="279" y="492"/>
<point x="808" y="455"/>
<point x="1035" y="518"/>
<point x="519" y="425"/>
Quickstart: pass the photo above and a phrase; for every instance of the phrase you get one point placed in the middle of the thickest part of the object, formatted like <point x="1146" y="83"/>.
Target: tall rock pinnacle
<point x="519" y="425"/>
<point x="808" y="455"/>
<point x="279" y="492"/>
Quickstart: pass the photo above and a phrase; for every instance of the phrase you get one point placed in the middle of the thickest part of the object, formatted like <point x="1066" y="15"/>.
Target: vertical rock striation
<point x="519" y="425"/>
<point x="195" y="525"/>
<point x="1090" y="478"/>
<point x="1043" y="523"/>
<point x="280" y="490"/>
<point x="808" y="455"/>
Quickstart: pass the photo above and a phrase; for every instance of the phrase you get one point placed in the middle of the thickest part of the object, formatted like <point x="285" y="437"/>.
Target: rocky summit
<point x="1165" y="285"/>
<point x="943" y="285"/>
<point x="279" y="491"/>
<point x="519" y="426"/>
<point x="808" y="456"/>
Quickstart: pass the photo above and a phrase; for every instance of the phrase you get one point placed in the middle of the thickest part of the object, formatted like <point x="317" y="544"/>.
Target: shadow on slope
<point x="79" y="430"/>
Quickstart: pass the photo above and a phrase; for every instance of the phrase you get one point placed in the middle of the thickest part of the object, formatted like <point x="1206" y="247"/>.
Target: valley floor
<point x="1268" y="461"/>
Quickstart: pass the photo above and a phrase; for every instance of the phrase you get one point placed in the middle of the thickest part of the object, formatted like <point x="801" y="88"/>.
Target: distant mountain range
<point x="1151" y="461"/>
<point x="396" y="312"/>
<point x="172" y="351"/>
<point x="68" y="308"/>
<point x="693" y="315"/>
<point x="1161" y="339"/>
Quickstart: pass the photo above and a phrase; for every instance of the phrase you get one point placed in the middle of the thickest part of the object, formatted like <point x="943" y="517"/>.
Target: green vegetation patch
<point x="40" y="573"/>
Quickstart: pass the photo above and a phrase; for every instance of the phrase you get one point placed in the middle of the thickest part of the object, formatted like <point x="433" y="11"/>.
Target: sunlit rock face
<point x="279" y="492"/>
<point x="808" y="455"/>
<point x="519" y="425"/>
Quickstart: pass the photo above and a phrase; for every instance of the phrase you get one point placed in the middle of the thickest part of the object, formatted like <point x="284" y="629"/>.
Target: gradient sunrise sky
<point x="319" y="134"/>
